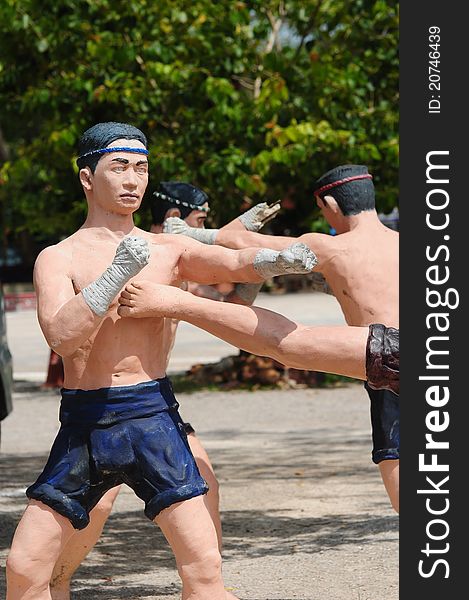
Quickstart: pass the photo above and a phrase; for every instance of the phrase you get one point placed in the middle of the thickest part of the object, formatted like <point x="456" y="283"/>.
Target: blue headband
<point x="114" y="149"/>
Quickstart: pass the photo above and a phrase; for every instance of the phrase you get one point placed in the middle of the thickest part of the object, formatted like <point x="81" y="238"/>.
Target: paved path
<point x="305" y="515"/>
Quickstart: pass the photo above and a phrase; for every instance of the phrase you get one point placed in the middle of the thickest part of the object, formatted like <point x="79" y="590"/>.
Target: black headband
<point x="181" y="202"/>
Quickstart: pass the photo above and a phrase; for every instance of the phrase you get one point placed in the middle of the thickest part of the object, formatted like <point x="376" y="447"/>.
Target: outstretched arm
<point x="321" y="244"/>
<point x="228" y="236"/>
<point x="250" y="239"/>
<point x="213" y="264"/>
<point x="340" y="349"/>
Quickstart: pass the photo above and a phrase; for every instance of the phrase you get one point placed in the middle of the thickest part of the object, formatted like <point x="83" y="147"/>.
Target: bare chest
<point x="90" y="263"/>
<point x="367" y="288"/>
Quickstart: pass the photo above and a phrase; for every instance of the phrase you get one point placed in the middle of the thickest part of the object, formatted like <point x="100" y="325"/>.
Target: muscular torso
<point x="362" y="269"/>
<point x="122" y="351"/>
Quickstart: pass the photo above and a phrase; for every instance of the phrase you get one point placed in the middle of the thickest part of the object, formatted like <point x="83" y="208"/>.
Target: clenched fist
<point x="297" y="258"/>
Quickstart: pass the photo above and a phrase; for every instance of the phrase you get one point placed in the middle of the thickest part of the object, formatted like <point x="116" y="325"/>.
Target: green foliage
<point x="225" y="103"/>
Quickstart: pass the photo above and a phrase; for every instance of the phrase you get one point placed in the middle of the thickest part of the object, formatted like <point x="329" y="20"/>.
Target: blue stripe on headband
<point x="115" y="149"/>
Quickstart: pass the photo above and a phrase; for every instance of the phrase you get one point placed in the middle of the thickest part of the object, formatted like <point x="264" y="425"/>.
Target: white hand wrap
<point x="178" y="226"/>
<point x="297" y="258"/>
<point x="256" y="217"/>
<point x="132" y="255"/>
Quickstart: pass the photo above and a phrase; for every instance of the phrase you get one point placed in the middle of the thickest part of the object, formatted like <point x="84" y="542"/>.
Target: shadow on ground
<point x="132" y="546"/>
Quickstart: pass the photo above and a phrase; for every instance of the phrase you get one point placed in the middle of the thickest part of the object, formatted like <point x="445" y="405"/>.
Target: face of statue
<point x="196" y="218"/>
<point x="120" y="179"/>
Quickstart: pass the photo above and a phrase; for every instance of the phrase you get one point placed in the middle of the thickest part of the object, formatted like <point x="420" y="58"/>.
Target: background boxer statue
<point x="361" y="266"/>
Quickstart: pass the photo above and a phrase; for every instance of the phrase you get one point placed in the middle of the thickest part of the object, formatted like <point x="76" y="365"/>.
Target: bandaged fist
<point x="133" y="252"/>
<point x="256" y="217"/>
<point x="175" y="225"/>
<point x="297" y="258"/>
<point x="131" y="256"/>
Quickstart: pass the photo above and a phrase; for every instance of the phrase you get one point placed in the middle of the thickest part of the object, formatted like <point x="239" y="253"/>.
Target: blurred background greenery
<point x="251" y="101"/>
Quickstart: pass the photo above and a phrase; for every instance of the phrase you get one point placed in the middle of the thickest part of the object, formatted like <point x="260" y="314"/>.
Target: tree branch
<point x="309" y="26"/>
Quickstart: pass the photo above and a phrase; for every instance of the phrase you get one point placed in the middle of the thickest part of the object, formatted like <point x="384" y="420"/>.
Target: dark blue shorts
<point x="384" y="424"/>
<point x="127" y="434"/>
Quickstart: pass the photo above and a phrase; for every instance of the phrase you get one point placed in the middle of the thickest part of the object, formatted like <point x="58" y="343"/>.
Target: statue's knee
<point x="26" y="571"/>
<point x="204" y="569"/>
<point x="13" y="565"/>
<point x="17" y="563"/>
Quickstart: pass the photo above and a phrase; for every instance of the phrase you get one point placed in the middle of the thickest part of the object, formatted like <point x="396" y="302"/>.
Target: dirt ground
<point x="305" y="515"/>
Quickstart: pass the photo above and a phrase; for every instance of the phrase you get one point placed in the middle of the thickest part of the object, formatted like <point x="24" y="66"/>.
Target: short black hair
<point x="100" y="136"/>
<point x="351" y="186"/>
<point x="175" y="194"/>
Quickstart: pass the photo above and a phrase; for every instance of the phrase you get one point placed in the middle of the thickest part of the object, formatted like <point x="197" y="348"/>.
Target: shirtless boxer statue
<point x="361" y="266"/>
<point x="119" y="417"/>
<point x="190" y="203"/>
